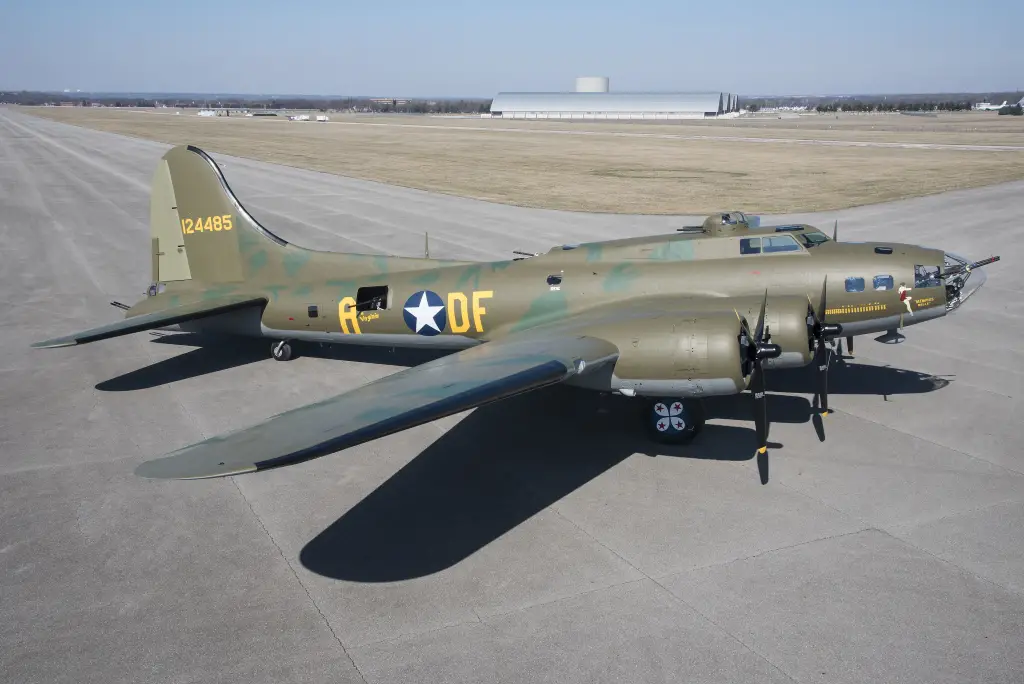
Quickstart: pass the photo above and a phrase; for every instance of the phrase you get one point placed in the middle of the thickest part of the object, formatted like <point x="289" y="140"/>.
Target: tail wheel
<point x="281" y="351"/>
<point x="674" y="421"/>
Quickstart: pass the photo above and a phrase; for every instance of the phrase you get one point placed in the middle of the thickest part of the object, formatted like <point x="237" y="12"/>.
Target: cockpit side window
<point x="750" y="246"/>
<point x="813" y="239"/>
<point x="926" y="276"/>
<point x="780" y="243"/>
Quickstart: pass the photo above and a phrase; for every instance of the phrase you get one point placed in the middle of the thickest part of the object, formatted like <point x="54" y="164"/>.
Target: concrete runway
<point x="531" y="540"/>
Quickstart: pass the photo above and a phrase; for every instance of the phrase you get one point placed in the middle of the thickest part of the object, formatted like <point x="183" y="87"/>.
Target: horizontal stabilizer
<point x="157" y="319"/>
<point x="417" y="395"/>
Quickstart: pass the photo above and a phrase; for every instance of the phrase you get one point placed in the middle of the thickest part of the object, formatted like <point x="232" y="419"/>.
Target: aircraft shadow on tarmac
<point x="211" y="355"/>
<point x="508" y="461"/>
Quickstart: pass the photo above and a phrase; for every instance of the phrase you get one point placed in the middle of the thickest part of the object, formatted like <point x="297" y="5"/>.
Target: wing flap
<point x="414" y="396"/>
<point x="157" y="319"/>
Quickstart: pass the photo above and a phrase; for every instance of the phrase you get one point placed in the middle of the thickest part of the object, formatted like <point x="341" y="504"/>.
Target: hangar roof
<point x="609" y="102"/>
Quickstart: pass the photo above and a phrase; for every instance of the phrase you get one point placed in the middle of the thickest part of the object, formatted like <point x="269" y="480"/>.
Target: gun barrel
<point x="960" y="268"/>
<point x="985" y="262"/>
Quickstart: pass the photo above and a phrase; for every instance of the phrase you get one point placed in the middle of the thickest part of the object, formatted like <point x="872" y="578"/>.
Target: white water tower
<point x="592" y="84"/>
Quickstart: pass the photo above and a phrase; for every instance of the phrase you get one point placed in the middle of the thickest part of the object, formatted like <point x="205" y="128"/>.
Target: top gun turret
<point x="724" y="223"/>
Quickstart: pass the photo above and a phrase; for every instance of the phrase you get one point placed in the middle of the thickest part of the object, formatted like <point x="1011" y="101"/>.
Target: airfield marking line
<point x="983" y="507"/>
<point x="965" y="383"/>
<point x="712" y="138"/>
<point x="933" y="442"/>
<point x="765" y="552"/>
<point x="558" y="599"/>
<point x="419" y="633"/>
<point x="81" y="157"/>
<point x="58" y="232"/>
<point x="281" y="553"/>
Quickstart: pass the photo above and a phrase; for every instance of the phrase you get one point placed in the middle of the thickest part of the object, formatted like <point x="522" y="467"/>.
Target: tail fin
<point x="199" y="230"/>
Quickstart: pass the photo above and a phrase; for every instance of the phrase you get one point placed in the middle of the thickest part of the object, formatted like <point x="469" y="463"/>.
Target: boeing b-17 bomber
<point x="669" y="319"/>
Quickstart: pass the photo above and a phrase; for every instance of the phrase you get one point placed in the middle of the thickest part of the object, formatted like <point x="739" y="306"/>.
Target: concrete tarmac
<point x="532" y="540"/>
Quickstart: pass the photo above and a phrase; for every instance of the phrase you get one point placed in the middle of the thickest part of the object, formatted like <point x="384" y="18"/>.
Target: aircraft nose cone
<point x="975" y="281"/>
<point x="968" y="282"/>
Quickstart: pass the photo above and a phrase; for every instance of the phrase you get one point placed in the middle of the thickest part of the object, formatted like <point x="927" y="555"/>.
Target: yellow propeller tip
<point x="763" y="450"/>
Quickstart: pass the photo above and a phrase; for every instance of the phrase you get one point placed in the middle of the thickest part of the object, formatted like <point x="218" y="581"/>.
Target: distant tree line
<point x="323" y="104"/>
<point x="857" y="106"/>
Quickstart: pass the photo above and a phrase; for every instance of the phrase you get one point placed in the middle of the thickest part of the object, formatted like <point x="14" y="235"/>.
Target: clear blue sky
<point x="449" y="48"/>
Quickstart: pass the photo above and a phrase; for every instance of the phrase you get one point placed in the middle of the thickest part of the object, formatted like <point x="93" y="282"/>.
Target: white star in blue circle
<point x="424" y="313"/>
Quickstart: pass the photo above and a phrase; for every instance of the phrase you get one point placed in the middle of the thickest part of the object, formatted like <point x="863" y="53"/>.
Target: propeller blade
<point x="835" y="232"/>
<point x="759" y="332"/>
<point x="820" y="313"/>
<point x="760" y="408"/>
<point x="822" y="357"/>
<point x="760" y="350"/>
<point x="849" y="344"/>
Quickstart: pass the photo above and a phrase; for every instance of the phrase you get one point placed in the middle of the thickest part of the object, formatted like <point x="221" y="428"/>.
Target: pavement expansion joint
<point x="732" y="636"/>
<point x="291" y="568"/>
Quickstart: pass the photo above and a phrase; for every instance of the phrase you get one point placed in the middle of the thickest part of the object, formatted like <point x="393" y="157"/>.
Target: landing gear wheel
<point x="281" y="351"/>
<point x="674" y="421"/>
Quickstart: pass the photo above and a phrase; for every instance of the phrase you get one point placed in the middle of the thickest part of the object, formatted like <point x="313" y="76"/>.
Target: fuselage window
<point x="780" y="243"/>
<point x="926" y="276"/>
<point x="854" y="284"/>
<point x="372" y="298"/>
<point x="883" y="282"/>
<point x="750" y="246"/>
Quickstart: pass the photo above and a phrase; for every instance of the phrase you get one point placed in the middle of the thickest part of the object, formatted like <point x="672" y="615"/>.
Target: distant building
<point x="206" y="112"/>
<point x="592" y="100"/>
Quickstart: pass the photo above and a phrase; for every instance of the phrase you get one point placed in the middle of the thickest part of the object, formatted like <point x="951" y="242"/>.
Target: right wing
<point x="411" y="397"/>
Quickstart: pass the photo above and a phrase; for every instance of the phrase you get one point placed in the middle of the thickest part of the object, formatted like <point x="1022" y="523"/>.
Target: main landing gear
<point x="674" y="421"/>
<point x="281" y="351"/>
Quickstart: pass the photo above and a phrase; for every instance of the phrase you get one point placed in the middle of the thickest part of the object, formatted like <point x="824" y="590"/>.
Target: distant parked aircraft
<point x="988" y="106"/>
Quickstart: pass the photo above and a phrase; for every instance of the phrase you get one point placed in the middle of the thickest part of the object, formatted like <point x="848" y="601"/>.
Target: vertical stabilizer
<point x="199" y="228"/>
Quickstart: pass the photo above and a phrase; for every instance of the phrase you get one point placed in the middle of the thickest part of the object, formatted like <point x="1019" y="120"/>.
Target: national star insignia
<point x="424" y="314"/>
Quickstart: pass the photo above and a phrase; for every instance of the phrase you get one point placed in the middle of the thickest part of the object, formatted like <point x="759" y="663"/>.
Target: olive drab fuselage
<point x="689" y="278"/>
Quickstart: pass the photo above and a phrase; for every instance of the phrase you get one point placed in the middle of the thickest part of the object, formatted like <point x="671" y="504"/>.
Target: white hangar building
<point x="592" y="100"/>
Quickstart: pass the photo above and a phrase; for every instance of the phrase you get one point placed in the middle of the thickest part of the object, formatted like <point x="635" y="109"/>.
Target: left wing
<point x="157" y="319"/>
<point x="411" y="397"/>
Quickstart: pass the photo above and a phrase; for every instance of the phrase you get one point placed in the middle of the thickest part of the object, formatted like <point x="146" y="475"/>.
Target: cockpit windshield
<point x="812" y="239"/>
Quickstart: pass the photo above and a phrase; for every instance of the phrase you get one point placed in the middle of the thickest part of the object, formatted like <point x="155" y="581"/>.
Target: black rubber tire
<point x="281" y="352"/>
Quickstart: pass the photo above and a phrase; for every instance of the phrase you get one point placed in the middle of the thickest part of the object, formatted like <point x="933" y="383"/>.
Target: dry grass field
<point x="774" y="165"/>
